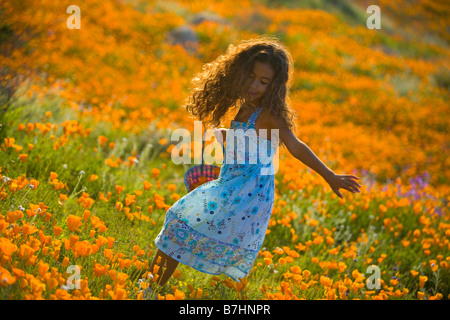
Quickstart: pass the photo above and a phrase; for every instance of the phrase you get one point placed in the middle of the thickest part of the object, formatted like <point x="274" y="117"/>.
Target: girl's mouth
<point x="251" y="94"/>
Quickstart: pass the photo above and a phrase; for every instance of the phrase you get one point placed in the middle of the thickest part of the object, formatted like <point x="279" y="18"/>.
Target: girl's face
<point x="257" y="83"/>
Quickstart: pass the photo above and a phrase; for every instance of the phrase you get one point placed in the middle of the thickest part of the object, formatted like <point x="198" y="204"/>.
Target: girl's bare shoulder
<point x="266" y="121"/>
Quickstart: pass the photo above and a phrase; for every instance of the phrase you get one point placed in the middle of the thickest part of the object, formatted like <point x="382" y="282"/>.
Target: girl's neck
<point x="246" y="106"/>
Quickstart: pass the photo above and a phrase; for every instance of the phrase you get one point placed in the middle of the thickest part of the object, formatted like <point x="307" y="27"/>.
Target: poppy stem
<point x="45" y="196"/>
<point x="93" y="205"/>
<point x="4" y="182"/>
<point x="74" y="189"/>
<point x="23" y="198"/>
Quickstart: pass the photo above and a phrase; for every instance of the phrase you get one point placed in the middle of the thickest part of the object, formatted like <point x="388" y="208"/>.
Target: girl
<point x="220" y="226"/>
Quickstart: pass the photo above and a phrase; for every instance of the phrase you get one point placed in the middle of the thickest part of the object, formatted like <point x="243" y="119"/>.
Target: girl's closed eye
<point x="263" y="83"/>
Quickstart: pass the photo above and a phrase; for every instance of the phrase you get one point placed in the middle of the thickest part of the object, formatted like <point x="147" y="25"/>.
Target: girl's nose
<point x="254" y="85"/>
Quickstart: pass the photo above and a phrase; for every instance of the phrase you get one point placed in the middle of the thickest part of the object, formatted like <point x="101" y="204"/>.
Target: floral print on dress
<point x="220" y="226"/>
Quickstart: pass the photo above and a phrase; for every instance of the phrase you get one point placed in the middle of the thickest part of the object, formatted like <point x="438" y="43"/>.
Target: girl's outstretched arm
<point x="302" y="152"/>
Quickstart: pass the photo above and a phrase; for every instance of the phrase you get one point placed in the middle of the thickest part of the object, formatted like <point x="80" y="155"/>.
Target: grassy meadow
<point x="86" y="174"/>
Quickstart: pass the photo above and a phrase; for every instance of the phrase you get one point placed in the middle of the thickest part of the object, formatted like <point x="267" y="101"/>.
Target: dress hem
<point x="220" y="269"/>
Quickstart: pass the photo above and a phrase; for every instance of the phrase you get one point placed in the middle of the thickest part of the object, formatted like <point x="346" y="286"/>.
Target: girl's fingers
<point x="355" y="186"/>
<point x="353" y="182"/>
<point x="348" y="185"/>
<point x="353" y="177"/>
<point x="351" y="187"/>
<point x="357" y="182"/>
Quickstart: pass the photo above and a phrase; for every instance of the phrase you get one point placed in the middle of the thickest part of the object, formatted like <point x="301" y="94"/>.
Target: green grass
<point x="84" y="153"/>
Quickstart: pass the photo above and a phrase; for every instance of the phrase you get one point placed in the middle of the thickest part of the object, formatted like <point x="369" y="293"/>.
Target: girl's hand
<point x="344" y="181"/>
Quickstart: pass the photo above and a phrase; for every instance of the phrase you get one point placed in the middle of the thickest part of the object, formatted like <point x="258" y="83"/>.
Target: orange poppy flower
<point x="6" y="278"/>
<point x="13" y="216"/>
<point x="74" y="223"/>
<point x="155" y="172"/>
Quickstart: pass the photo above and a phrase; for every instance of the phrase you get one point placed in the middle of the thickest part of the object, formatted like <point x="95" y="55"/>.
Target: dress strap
<point x="254" y="116"/>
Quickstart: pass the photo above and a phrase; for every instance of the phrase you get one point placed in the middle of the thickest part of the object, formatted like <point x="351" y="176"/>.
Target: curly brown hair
<point x="218" y="87"/>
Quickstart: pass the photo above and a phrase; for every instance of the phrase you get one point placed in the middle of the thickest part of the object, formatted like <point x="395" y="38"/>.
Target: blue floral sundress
<point x="220" y="226"/>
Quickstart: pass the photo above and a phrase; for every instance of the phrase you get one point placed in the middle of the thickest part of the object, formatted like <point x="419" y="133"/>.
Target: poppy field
<point x="86" y="175"/>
